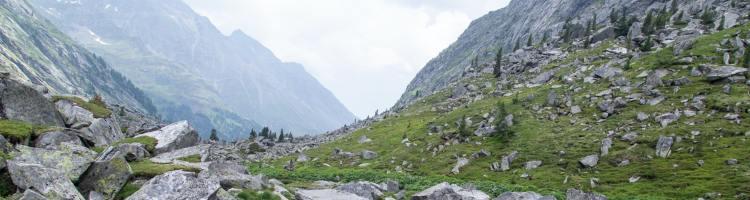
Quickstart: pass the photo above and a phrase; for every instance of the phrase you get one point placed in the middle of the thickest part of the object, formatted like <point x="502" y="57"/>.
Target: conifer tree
<point x="291" y="137"/>
<point x="213" y="136"/>
<point x="281" y="136"/>
<point x="587" y="43"/>
<point x="544" y="38"/>
<point x="518" y="44"/>
<point x="613" y="16"/>
<point x="264" y="132"/>
<point x="462" y="126"/>
<point x="501" y="128"/>
<point x="253" y="134"/>
<point x="721" y="24"/>
<point x="646" y="29"/>
<point x="498" y="60"/>
<point x="732" y="4"/>
<point x="529" y="43"/>
<point x="593" y="24"/>
<point x="647" y="45"/>
<point x="673" y="7"/>
<point x="746" y="59"/>
<point x="587" y="32"/>
<point x="623" y="26"/>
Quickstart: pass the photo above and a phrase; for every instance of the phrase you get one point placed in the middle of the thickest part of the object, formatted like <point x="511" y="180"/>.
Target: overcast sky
<point x="365" y="52"/>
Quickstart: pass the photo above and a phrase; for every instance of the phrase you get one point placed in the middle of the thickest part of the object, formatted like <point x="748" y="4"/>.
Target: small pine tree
<point x="721" y="24"/>
<point x="498" y="60"/>
<point x="291" y="137"/>
<point x="627" y="65"/>
<point x="544" y="38"/>
<point x="623" y="27"/>
<point x="678" y="21"/>
<point x="515" y="100"/>
<point x="647" y="45"/>
<point x="613" y="16"/>
<point x="253" y="134"/>
<point x="529" y="43"/>
<point x="746" y="59"/>
<point x="213" y="136"/>
<point x="587" y="43"/>
<point x="707" y="18"/>
<point x="732" y="4"/>
<point x="566" y="35"/>
<point x="408" y="125"/>
<point x="673" y="7"/>
<point x="281" y="136"/>
<point x="587" y="32"/>
<point x="518" y="44"/>
<point x="646" y="28"/>
<point x="462" y="126"/>
<point x="264" y="132"/>
<point x="593" y="24"/>
<point x="122" y="112"/>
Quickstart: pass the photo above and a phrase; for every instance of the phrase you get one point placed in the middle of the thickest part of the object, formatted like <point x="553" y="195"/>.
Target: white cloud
<point x="365" y="52"/>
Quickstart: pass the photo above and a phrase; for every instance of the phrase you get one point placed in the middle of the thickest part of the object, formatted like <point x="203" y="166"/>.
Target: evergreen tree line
<point x="265" y="132"/>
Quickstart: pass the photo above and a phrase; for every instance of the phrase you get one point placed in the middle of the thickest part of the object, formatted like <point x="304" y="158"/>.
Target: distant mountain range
<point x="194" y="72"/>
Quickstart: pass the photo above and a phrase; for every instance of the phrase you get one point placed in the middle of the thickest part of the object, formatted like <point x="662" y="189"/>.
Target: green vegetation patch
<point x="191" y="158"/>
<point x="16" y="131"/>
<point x="126" y="191"/>
<point x="99" y="110"/>
<point x="150" y="142"/>
<point x="266" y="194"/>
<point x="147" y="168"/>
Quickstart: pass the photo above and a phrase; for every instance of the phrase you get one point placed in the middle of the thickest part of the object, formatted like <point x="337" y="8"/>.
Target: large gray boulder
<point x="73" y="165"/>
<point x="607" y="72"/>
<point x="94" y="131"/>
<point x="668" y="118"/>
<point x="590" y="161"/>
<point x="107" y="175"/>
<point x="573" y="194"/>
<point x="177" y="185"/>
<point x="363" y="139"/>
<point x="721" y="74"/>
<point x="655" y="78"/>
<point x="326" y="194"/>
<point x="606" y="144"/>
<point x="51" y="183"/>
<point x="543" y="77"/>
<point x="523" y="196"/>
<point x="30" y="194"/>
<point x="231" y="175"/>
<point x="369" y="155"/>
<point x="23" y="103"/>
<point x="174" y="136"/>
<point x="391" y="186"/>
<point x="73" y="113"/>
<point x="663" y="146"/>
<point x="603" y="34"/>
<point x="449" y="191"/>
<point x="460" y="90"/>
<point x="682" y="47"/>
<point x="55" y="137"/>
<point x="552" y="99"/>
<point x="303" y="158"/>
<point x="532" y="164"/>
<point x="362" y="189"/>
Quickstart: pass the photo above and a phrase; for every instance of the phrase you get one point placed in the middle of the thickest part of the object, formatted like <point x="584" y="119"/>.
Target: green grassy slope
<point x="538" y="139"/>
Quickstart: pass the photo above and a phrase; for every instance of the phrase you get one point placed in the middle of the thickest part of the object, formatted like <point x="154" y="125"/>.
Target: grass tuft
<point x="191" y="158"/>
<point x="150" y="142"/>
<point x="96" y="108"/>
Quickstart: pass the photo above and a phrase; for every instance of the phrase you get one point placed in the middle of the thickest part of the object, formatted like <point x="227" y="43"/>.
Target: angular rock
<point x="505" y="163"/>
<point x="400" y="195"/>
<point x="174" y="136"/>
<point x="391" y="186"/>
<point x="231" y="175"/>
<point x="695" y="72"/>
<point x="532" y="164"/>
<point x="133" y="152"/>
<point x="642" y="117"/>
<point x="303" y="158"/>
<point x="668" y="118"/>
<point x="603" y="34"/>
<point x="177" y="185"/>
<point x="107" y="175"/>
<point x="732" y="161"/>
<point x="682" y="81"/>
<point x="606" y="144"/>
<point x="30" y="194"/>
<point x="436" y="129"/>
<point x="682" y="47"/>
<point x="368" y="155"/>
<point x="509" y="120"/>
<point x="72" y="165"/>
<point x="362" y="189"/>
<point x="552" y="99"/>
<point x="573" y="194"/>
<point x="622" y="81"/>
<point x="495" y="167"/>
<point x="449" y="191"/>
<point x="723" y="72"/>
<point x="459" y="90"/>
<point x="523" y="196"/>
<point x="55" y="137"/>
<point x="222" y="194"/>
<point x="460" y="163"/>
<point x="484" y="152"/>
<point x="51" y="183"/>
<point x="590" y="161"/>
<point x="543" y="77"/>
<point x="663" y="146"/>
<point x="363" y="139"/>
<point x="607" y="72"/>
<point x="655" y="78"/>
<point x="22" y="103"/>
<point x="326" y="194"/>
<point x="629" y="136"/>
<point x="575" y="109"/>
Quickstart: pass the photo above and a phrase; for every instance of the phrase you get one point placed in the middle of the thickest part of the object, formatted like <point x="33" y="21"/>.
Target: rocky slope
<point x="181" y="59"/>
<point x="35" y="52"/>
<point x="615" y="118"/>
<point x="517" y="21"/>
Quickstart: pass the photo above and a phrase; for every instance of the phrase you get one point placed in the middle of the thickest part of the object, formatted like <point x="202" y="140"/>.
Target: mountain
<point x="504" y="27"/>
<point x="35" y="52"/>
<point x="180" y="59"/>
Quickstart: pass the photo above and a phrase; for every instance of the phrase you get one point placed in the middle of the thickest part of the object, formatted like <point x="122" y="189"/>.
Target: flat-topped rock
<point x="174" y="136"/>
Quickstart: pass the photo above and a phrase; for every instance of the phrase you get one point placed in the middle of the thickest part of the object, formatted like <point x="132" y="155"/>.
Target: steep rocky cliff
<point x="35" y="52"/>
<point x="519" y="20"/>
<point x="183" y="61"/>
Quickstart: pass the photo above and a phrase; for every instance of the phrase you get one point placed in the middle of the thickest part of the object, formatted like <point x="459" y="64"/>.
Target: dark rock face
<point x="107" y="175"/>
<point x="23" y="103"/>
<point x="177" y="185"/>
